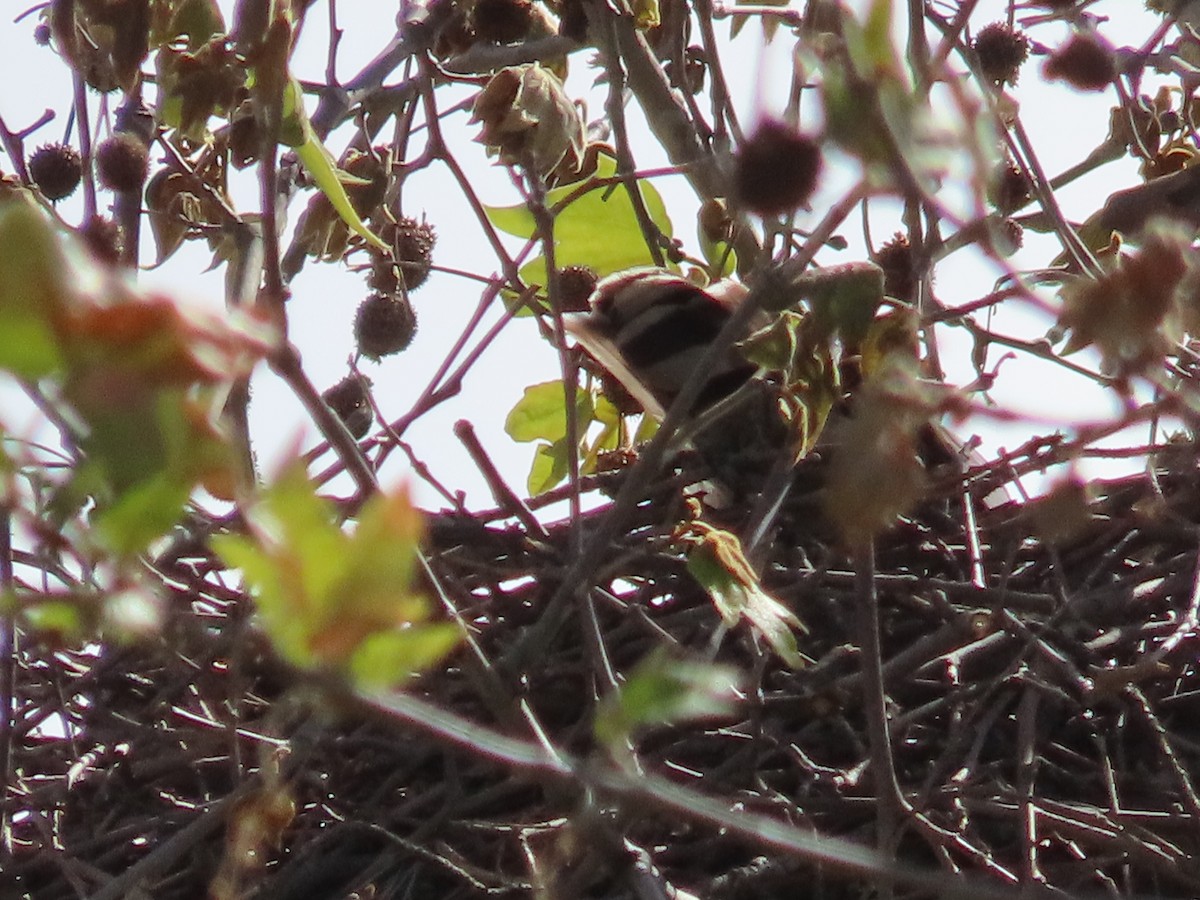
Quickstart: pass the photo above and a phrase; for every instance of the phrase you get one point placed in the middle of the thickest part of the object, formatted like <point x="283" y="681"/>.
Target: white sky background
<point x="1065" y="125"/>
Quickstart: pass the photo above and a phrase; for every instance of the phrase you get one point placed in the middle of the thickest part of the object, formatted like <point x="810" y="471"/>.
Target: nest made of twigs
<point x="1044" y="713"/>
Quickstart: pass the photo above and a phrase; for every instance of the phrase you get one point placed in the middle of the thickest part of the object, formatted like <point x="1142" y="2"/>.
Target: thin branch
<point x="483" y="58"/>
<point x="8" y="669"/>
<point x="891" y="805"/>
<point x="644" y="790"/>
<point x="502" y="493"/>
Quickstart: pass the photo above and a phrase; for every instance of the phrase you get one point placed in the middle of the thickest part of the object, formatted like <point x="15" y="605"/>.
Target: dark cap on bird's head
<point x="650" y="327"/>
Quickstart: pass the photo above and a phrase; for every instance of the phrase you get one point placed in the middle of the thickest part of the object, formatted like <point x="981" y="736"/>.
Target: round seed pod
<point x="350" y="400"/>
<point x="122" y="163"/>
<point x="384" y="325"/>
<point x="56" y="170"/>
<point x="1000" y="50"/>
<point x="776" y="170"/>
<point x="576" y="284"/>
<point x="1086" y="62"/>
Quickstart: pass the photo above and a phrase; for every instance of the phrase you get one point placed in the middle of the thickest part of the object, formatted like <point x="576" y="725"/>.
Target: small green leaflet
<point x="716" y="560"/>
<point x="664" y="690"/>
<point x="541" y="413"/>
<point x="596" y="228"/>
<point x="335" y="600"/>
<point x="297" y="132"/>
<point x="34" y="288"/>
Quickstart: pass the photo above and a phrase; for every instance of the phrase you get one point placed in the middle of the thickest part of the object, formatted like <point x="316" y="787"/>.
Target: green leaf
<point x="715" y="227"/>
<point x="875" y="50"/>
<point x="611" y="436"/>
<point x="145" y="379"/>
<point x="606" y="412"/>
<point x="144" y="456"/>
<point x="390" y="658"/>
<point x="775" y="347"/>
<point x="246" y="555"/>
<point x="852" y="89"/>
<point x="646" y="14"/>
<point x="137" y="375"/>
<point x="142" y="513"/>
<point x="311" y="541"/>
<point x="34" y="289"/>
<point x="61" y="619"/>
<point x="718" y="563"/>
<point x="293" y="558"/>
<point x="297" y="132"/>
<point x="608" y="439"/>
<point x="26" y="346"/>
<point x="283" y="617"/>
<point x="720" y="256"/>
<point x="379" y="560"/>
<point x="333" y="599"/>
<point x="7" y="467"/>
<point x="871" y="96"/>
<point x="647" y="427"/>
<point x="197" y="20"/>
<point x="597" y="228"/>
<point x="844" y="298"/>
<point x="664" y="690"/>
<point x="126" y="614"/>
<point x="540" y="414"/>
<point x="800" y="352"/>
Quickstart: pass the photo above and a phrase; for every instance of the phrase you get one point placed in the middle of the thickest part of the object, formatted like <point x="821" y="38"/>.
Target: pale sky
<point x="1064" y="126"/>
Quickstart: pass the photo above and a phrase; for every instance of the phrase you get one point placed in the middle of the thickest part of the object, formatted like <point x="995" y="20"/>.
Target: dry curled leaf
<point x="718" y="562"/>
<point x="182" y="205"/>
<point x="1064" y="512"/>
<point x="1133" y="311"/>
<point x="876" y="473"/>
<point x="528" y="119"/>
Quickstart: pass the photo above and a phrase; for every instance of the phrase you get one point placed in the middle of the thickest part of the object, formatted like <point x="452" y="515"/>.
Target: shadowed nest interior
<point x="1043" y="699"/>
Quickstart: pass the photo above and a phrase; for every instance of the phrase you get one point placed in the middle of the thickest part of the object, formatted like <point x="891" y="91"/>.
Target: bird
<point x="650" y="329"/>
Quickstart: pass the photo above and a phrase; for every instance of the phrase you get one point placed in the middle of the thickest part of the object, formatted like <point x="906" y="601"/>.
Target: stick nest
<point x="1043" y="701"/>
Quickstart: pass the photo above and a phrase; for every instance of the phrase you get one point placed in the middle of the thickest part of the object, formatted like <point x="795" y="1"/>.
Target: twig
<point x="668" y="797"/>
<point x="544" y="224"/>
<point x="503" y="494"/>
<point x="892" y="806"/>
<point x="85" y="144"/>
<point x="169" y="852"/>
<point x="614" y="105"/>
<point x="285" y="362"/>
<point x="482" y="57"/>
<point x="14" y="143"/>
<point x="1183" y="779"/>
<point x="8" y="672"/>
<point x="669" y="121"/>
